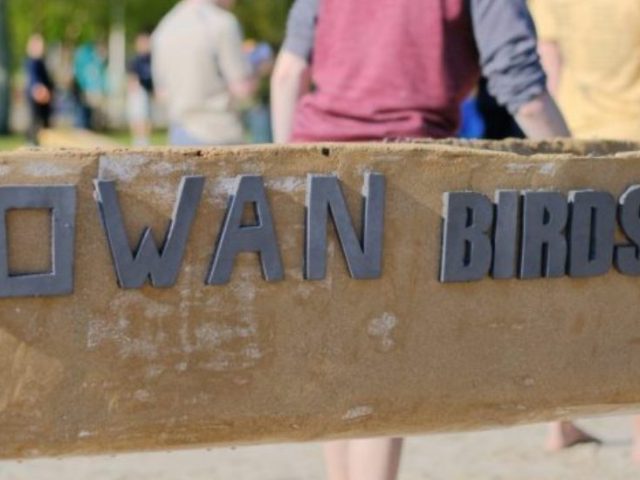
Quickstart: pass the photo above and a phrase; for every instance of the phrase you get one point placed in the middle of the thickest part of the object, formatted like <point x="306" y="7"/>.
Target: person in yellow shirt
<point x="591" y="52"/>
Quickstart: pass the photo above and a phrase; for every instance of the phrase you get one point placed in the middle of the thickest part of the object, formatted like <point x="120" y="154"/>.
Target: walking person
<point x="392" y="70"/>
<point x="140" y="91"/>
<point x="201" y="72"/>
<point x="90" y="85"/>
<point x="39" y="89"/>
<point x="590" y="50"/>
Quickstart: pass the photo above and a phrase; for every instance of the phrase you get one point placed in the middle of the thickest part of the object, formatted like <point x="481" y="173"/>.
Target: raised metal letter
<point x="544" y="246"/>
<point x="505" y="237"/>
<point x="627" y="259"/>
<point x="466" y="246"/>
<point x="591" y="231"/>
<point x="363" y="257"/>
<point x="236" y="238"/>
<point x="61" y="201"/>
<point x="162" y="267"/>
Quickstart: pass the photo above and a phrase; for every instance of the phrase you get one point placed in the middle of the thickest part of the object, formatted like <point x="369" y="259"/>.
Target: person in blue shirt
<point x="90" y="83"/>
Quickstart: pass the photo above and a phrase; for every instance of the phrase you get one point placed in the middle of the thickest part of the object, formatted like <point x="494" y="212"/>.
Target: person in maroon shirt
<point x="397" y="69"/>
<point x="393" y="69"/>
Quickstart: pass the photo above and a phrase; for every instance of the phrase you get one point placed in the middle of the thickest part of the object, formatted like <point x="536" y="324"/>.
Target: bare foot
<point x="635" y="449"/>
<point x="564" y="435"/>
<point x="635" y="452"/>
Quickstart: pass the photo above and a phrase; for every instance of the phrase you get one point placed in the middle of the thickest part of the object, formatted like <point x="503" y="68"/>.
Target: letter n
<point x="363" y="257"/>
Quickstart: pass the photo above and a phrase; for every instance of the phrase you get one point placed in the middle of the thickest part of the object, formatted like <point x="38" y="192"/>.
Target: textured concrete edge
<point x="515" y="147"/>
<point x="196" y="438"/>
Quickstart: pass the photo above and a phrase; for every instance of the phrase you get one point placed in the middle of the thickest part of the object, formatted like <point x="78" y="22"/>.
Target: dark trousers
<point x="499" y="124"/>
<point x="40" y="117"/>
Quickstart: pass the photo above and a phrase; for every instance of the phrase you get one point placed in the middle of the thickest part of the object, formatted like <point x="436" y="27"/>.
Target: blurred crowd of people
<point x="214" y="85"/>
<point x="405" y="69"/>
<point x="216" y="93"/>
<point x="80" y="95"/>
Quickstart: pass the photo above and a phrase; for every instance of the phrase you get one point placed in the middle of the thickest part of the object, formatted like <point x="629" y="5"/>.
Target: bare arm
<point x="508" y="49"/>
<point x="551" y="60"/>
<point x="540" y="118"/>
<point x="290" y="79"/>
<point x="288" y="83"/>
<point x="244" y="89"/>
<point x="241" y="82"/>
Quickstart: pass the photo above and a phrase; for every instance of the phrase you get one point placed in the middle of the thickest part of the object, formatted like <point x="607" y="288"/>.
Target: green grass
<point x="13" y="141"/>
<point x="158" y="138"/>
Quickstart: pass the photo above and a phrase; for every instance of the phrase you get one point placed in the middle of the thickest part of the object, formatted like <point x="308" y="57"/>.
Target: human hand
<point x="41" y="94"/>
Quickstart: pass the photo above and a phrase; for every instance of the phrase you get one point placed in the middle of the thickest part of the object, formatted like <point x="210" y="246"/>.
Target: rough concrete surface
<point x="107" y="369"/>
<point x="509" y="454"/>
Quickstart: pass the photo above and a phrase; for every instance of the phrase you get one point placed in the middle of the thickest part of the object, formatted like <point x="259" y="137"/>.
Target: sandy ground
<point x="513" y="454"/>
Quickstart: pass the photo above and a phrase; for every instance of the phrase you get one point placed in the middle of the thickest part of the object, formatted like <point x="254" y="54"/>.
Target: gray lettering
<point x="236" y="237"/>
<point x="467" y="249"/>
<point x="544" y="246"/>
<point x="162" y="267"/>
<point x="61" y="201"/>
<point x="506" y="235"/>
<point x="592" y="227"/>
<point x="363" y="257"/>
<point x="627" y="259"/>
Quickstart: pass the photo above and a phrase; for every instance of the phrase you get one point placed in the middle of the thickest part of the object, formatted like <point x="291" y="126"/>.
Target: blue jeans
<point x="179" y="137"/>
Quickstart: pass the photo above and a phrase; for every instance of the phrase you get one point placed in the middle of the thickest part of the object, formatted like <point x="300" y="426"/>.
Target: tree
<point x="264" y="20"/>
<point x="72" y="22"/>
<point x="68" y="21"/>
<point x="5" y="68"/>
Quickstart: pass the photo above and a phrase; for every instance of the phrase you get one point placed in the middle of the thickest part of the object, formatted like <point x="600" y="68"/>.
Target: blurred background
<point x="89" y="46"/>
<point x="86" y="53"/>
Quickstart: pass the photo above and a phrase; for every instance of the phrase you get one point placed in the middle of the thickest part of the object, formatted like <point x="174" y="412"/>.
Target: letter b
<point x="467" y="250"/>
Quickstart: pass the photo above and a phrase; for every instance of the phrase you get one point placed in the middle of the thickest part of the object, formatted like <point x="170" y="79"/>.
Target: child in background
<point x="140" y="91"/>
<point x="39" y="90"/>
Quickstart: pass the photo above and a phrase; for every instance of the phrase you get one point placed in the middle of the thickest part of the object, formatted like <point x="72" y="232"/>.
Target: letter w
<point x="146" y="262"/>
